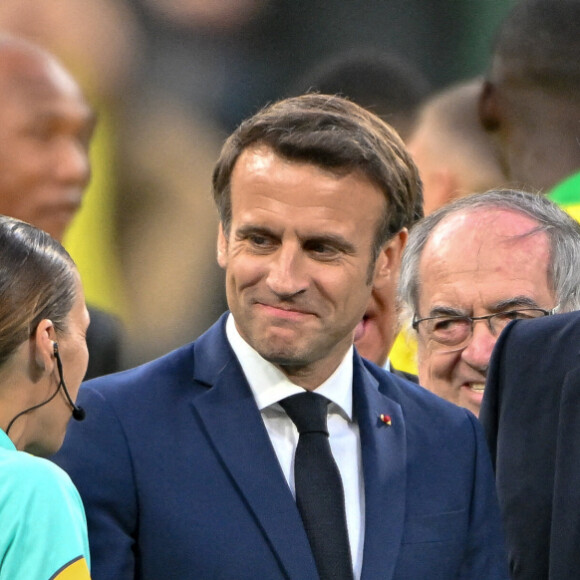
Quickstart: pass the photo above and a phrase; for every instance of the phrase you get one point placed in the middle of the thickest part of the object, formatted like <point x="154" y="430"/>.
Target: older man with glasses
<point x="489" y="258"/>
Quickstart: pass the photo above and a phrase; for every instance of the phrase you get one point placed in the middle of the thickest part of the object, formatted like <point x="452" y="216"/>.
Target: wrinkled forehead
<point x="484" y="256"/>
<point x="493" y="227"/>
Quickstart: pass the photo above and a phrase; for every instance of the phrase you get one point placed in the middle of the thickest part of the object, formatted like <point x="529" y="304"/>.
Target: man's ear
<point x="389" y="260"/>
<point x="222" y="247"/>
<point x="42" y="349"/>
<point x="488" y="107"/>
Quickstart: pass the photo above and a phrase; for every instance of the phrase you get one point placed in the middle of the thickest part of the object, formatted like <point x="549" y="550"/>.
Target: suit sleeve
<point x="485" y="555"/>
<point x="96" y="456"/>
<point x="521" y="412"/>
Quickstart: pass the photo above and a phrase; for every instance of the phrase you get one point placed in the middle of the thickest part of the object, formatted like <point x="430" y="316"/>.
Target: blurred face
<point x="437" y="184"/>
<point x="473" y="264"/>
<point x="51" y="420"/>
<point x="45" y="128"/>
<point x="508" y="111"/>
<point x="434" y="152"/>
<point x="375" y="334"/>
<point x="298" y="260"/>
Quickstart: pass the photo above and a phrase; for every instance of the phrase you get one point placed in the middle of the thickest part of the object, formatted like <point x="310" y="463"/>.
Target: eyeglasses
<point x="456" y="331"/>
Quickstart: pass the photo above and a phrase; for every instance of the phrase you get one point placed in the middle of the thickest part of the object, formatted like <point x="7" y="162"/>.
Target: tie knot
<point x="307" y="411"/>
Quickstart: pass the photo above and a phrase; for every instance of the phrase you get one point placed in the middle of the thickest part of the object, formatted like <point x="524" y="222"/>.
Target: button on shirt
<point x="269" y="386"/>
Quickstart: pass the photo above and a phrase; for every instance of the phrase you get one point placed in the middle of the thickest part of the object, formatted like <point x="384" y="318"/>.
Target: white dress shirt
<point x="269" y="385"/>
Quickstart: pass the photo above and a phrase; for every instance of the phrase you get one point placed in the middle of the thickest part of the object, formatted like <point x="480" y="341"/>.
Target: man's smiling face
<point x="476" y="263"/>
<point x="298" y="260"/>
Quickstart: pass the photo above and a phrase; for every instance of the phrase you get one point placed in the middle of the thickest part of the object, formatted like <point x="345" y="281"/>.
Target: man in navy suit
<point x="530" y="413"/>
<point x="186" y="464"/>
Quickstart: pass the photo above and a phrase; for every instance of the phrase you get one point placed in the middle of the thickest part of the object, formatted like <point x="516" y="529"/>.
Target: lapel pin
<point x="386" y="419"/>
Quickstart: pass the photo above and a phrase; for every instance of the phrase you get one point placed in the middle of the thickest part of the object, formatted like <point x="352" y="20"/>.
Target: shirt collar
<point x="269" y="385"/>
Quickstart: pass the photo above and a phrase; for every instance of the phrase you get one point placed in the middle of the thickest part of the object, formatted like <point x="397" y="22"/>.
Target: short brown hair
<point x="337" y="135"/>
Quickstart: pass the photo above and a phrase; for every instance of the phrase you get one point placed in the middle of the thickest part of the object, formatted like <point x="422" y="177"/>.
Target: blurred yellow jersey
<point x="403" y="355"/>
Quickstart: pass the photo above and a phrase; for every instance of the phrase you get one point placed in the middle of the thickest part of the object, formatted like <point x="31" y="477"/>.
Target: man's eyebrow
<point x="334" y="240"/>
<point x="514" y="303"/>
<point x="246" y="230"/>
<point x="446" y="311"/>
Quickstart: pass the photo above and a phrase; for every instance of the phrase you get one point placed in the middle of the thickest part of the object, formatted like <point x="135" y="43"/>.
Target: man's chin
<point x="281" y="353"/>
<point x="472" y="396"/>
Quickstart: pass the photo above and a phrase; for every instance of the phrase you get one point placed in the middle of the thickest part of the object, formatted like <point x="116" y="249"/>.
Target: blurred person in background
<point x="43" y="323"/>
<point x="151" y="173"/>
<point x="96" y="40"/>
<point x="166" y="227"/>
<point x="46" y="126"/>
<point x="208" y="56"/>
<point x="230" y="58"/>
<point x="473" y="266"/>
<point x="454" y="154"/>
<point x="382" y="82"/>
<point x="530" y="101"/>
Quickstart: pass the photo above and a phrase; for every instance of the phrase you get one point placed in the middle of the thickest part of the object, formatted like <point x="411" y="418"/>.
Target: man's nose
<point x="72" y="163"/>
<point x="478" y="351"/>
<point x="287" y="271"/>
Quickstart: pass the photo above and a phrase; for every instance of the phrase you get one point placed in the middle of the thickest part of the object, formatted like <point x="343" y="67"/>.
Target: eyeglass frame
<point x="488" y="317"/>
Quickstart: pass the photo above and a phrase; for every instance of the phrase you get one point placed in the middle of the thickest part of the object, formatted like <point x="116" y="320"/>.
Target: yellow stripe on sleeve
<point x="75" y="570"/>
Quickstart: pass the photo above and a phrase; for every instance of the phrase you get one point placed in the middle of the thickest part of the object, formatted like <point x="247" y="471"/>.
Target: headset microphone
<point x="78" y="413"/>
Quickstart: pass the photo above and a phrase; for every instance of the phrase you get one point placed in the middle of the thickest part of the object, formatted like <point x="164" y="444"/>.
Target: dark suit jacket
<point x="531" y="415"/>
<point x="405" y="375"/>
<point x="104" y="338"/>
<point x="180" y="480"/>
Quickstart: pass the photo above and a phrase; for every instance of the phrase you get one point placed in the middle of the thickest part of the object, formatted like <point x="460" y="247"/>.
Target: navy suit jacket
<point x="180" y="480"/>
<point x="530" y="411"/>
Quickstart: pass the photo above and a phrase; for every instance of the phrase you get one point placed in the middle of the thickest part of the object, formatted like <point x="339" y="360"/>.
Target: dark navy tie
<point x="319" y="491"/>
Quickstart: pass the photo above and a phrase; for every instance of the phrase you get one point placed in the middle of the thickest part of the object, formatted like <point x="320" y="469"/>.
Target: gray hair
<point x="562" y="230"/>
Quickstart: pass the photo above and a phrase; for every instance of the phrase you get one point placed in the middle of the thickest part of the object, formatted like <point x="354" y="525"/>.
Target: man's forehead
<point x="484" y="256"/>
<point x="258" y="156"/>
<point x="34" y="74"/>
<point x="490" y="226"/>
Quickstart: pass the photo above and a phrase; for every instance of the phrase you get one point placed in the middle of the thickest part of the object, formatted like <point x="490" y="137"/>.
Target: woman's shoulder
<point x="23" y="474"/>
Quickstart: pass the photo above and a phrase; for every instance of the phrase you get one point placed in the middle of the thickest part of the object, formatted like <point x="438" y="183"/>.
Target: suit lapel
<point x="384" y="465"/>
<point x="236" y="430"/>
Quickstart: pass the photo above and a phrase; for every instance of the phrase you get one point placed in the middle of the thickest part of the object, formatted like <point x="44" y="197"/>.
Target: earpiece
<point x="78" y="413"/>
